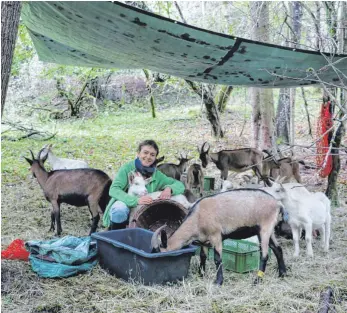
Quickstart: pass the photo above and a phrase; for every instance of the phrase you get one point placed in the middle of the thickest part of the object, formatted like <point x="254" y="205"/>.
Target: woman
<point x="117" y="211"/>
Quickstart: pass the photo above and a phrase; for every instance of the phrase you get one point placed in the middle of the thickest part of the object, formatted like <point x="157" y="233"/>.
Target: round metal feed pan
<point x="158" y="213"/>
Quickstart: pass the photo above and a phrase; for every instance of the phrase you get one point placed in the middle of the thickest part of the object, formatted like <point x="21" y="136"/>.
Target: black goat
<point x="76" y="187"/>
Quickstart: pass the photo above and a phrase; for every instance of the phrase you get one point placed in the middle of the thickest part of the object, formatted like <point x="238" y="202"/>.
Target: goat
<point x="310" y="212"/>
<point x="59" y="163"/>
<point x="137" y="187"/>
<point x="235" y="214"/>
<point x="76" y="187"/>
<point x="174" y="170"/>
<point x="195" y="178"/>
<point x="238" y="160"/>
<point x="284" y="167"/>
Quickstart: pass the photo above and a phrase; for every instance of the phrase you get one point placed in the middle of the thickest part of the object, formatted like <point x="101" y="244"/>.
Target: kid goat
<point x="309" y="212"/>
<point x="137" y="187"/>
<point x="77" y="187"/>
<point x="59" y="163"/>
<point x="235" y="214"/>
<point x="195" y="178"/>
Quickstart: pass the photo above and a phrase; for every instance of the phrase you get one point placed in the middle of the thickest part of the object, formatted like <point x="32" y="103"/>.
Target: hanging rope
<point x="324" y="161"/>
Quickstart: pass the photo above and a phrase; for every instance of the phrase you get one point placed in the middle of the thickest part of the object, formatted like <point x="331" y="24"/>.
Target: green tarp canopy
<point x="115" y="35"/>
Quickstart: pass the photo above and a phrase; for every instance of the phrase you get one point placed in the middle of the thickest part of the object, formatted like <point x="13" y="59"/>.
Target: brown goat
<point x="76" y="187"/>
<point x="235" y="214"/>
<point x="287" y="168"/>
<point x="195" y="178"/>
<point x="284" y="167"/>
<point x="238" y="160"/>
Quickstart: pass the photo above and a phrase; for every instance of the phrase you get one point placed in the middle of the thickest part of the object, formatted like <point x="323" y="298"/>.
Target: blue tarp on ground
<point x="62" y="257"/>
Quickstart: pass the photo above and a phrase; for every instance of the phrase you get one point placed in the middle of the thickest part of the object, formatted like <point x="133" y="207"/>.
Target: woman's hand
<point x="166" y="194"/>
<point x="145" y="200"/>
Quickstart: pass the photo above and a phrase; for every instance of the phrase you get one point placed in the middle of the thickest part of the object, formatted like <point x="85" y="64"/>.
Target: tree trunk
<point x="261" y="99"/>
<point x="283" y="117"/>
<point x="149" y="88"/>
<point x="10" y="13"/>
<point x="286" y="102"/>
<point x="223" y="97"/>
<point x="211" y="108"/>
<point x="341" y="43"/>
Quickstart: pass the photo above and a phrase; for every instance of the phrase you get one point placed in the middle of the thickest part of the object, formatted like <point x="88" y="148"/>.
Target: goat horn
<point x="155" y="237"/>
<point x="32" y="155"/>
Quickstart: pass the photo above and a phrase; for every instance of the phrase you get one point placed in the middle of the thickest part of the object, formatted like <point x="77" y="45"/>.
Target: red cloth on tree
<point x="15" y="251"/>
<point x="325" y="122"/>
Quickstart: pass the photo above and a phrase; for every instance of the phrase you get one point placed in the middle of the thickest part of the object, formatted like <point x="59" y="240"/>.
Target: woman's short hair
<point x="148" y="142"/>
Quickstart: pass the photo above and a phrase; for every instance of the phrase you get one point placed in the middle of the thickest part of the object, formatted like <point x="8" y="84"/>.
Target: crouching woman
<point x="117" y="211"/>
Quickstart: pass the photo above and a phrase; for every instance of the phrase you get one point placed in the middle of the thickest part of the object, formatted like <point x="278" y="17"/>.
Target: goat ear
<point x="282" y="179"/>
<point x="155" y="242"/>
<point x="163" y="239"/>
<point x="205" y="147"/>
<point x="29" y="161"/>
<point x="131" y="177"/>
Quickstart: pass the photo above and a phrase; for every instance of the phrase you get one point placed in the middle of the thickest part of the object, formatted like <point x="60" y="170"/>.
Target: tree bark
<point x="10" y="13"/>
<point x="223" y="97"/>
<point x="341" y="43"/>
<point x="283" y="117"/>
<point x="286" y="102"/>
<point x="261" y="99"/>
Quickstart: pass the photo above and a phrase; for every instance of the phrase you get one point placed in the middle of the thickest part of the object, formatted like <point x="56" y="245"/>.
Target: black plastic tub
<point x="126" y="254"/>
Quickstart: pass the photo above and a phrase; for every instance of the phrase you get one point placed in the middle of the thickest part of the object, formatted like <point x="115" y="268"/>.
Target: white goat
<point x="137" y="187"/>
<point x="59" y="163"/>
<point x="308" y="211"/>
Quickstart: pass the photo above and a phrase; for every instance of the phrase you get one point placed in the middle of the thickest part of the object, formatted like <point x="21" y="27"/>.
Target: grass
<point x="106" y="142"/>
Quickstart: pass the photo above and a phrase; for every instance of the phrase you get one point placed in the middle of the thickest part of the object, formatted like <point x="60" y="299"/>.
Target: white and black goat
<point x="235" y="214"/>
<point x="238" y="160"/>
<point x="195" y="178"/>
<point x="78" y="187"/>
<point x="309" y="211"/>
<point x="137" y="187"/>
<point x="175" y="170"/>
<point x="59" y="163"/>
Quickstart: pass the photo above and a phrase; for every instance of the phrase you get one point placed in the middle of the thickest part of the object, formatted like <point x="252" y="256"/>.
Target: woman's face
<point x="147" y="155"/>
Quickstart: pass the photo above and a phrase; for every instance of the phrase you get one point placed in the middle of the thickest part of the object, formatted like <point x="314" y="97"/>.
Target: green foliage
<point x="164" y="8"/>
<point x="81" y="73"/>
<point x="105" y="142"/>
<point x="24" y="50"/>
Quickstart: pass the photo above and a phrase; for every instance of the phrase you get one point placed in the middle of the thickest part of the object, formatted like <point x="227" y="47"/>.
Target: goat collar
<point x="146" y="171"/>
